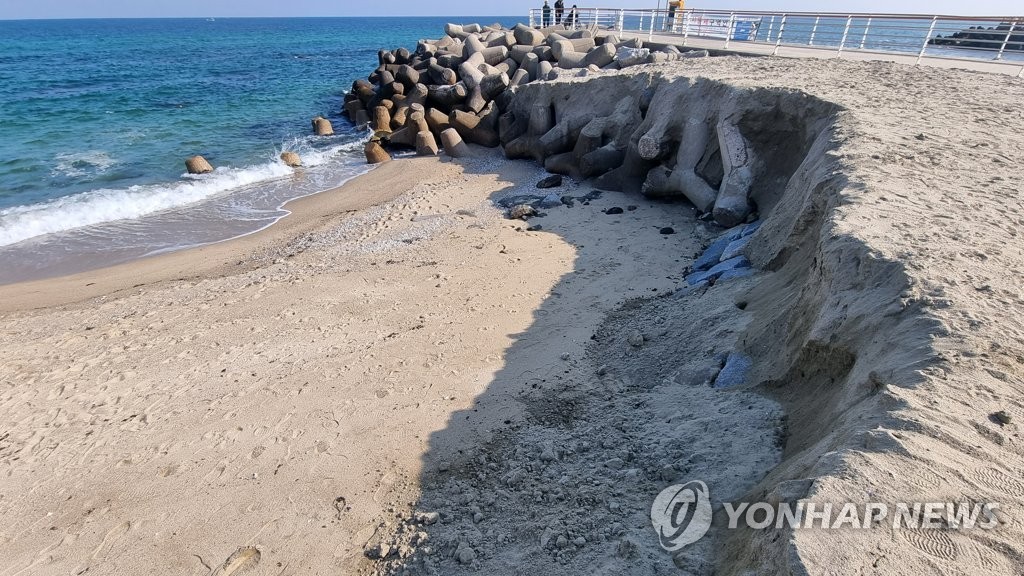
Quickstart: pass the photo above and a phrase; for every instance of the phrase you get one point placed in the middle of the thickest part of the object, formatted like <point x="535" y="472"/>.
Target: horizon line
<point x="31" y="18"/>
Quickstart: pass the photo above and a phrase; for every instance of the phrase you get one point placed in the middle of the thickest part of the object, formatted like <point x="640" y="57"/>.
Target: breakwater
<point x="461" y="88"/>
<point x="1005" y="36"/>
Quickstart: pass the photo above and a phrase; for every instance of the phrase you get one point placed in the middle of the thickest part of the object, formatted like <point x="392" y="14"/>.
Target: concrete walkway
<point x="717" y="46"/>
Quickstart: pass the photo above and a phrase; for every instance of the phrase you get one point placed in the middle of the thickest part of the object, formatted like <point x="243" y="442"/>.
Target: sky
<point x="17" y="9"/>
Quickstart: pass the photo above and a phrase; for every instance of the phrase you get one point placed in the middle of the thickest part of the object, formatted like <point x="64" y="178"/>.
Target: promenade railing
<point x="998" y="39"/>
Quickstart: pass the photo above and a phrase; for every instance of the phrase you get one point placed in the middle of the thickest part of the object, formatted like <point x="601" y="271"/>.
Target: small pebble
<point x="521" y="211"/>
<point x="667" y="230"/>
<point x="613" y="210"/>
<point x="636" y="339"/>
<point x="1003" y="417"/>
<point x="552" y="181"/>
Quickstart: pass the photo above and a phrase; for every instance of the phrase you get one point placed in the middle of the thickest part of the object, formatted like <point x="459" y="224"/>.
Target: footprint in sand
<point x="925" y="478"/>
<point x="988" y="559"/>
<point x="242" y="560"/>
<point x="934" y="542"/>
<point x="1000" y="481"/>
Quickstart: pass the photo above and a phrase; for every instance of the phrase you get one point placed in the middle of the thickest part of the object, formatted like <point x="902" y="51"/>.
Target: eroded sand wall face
<point x="830" y="330"/>
<point x="728" y="151"/>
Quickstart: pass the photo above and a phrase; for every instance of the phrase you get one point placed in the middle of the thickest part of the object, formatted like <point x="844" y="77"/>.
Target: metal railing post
<point x="597" y="17"/>
<point x="1009" y="33"/>
<point x="531" y="17"/>
<point x="650" y="34"/>
<point x="728" y="31"/>
<point x="622" y="20"/>
<point x="686" y="27"/>
<point x="920" y="55"/>
<point x="846" y="32"/>
<point x="864" y="38"/>
<point x="778" y="39"/>
<point x="814" y="31"/>
<point x="771" y="28"/>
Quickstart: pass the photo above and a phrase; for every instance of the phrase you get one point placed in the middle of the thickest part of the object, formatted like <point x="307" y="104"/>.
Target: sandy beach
<point x="396" y="378"/>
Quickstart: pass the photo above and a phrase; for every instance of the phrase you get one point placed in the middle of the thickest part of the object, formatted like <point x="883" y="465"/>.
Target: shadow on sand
<point x="602" y="403"/>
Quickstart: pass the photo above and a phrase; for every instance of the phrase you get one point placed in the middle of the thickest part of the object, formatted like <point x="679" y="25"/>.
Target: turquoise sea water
<point x="98" y="116"/>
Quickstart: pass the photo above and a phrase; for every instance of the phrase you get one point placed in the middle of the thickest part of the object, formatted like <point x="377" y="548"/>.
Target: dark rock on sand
<point x="553" y="181"/>
<point x="521" y="212"/>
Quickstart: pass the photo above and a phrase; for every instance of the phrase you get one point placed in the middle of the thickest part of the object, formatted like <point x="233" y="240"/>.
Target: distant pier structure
<point x="1005" y="36"/>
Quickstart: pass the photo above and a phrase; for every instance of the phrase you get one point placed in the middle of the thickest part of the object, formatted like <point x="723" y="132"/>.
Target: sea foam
<point x="79" y="164"/>
<point x="102" y="205"/>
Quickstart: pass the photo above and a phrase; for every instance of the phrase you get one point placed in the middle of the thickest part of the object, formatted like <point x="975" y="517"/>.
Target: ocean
<point x="98" y="117"/>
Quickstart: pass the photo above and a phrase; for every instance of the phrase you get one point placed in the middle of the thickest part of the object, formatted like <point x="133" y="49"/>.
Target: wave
<point x="103" y="205"/>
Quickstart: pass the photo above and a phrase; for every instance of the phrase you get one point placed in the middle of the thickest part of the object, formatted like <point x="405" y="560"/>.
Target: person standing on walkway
<point x="545" y="15"/>
<point x="559" y="10"/>
<point x="673" y="5"/>
<point x="570" y="20"/>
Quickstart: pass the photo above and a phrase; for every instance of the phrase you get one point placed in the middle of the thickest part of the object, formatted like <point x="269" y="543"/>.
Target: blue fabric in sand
<point x="735" y="372"/>
<point x="735" y="248"/>
<point x="712" y="255"/>
<point x="717" y="270"/>
<point x="715" y="252"/>
<point x="737" y="273"/>
<point x="751" y="228"/>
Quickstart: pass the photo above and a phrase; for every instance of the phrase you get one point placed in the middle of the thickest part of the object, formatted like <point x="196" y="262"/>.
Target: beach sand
<point x="302" y="399"/>
<point x="240" y="389"/>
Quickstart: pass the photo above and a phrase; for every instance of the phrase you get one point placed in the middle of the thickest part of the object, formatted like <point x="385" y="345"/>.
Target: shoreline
<point x="209" y="220"/>
<point x="305" y="213"/>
